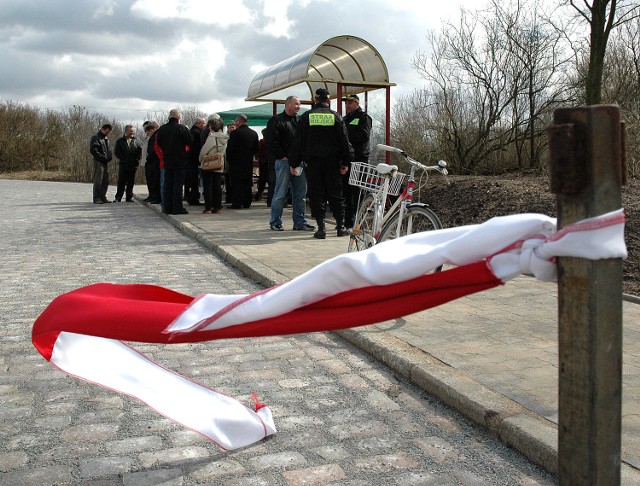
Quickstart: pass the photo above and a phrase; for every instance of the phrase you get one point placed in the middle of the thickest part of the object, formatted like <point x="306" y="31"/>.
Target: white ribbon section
<point x="114" y="365"/>
<point x="523" y="243"/>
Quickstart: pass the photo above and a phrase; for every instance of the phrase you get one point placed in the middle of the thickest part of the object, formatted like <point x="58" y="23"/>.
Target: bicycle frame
<point x="380" y="201"/>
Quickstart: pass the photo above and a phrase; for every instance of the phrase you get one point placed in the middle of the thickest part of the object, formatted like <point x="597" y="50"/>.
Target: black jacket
<point x="99" y="148"/>
<point x="152" y="156"/>
<point x="281" y="130"/>
<point x="194" y="151"/>
<point x="172" y="144"/>
<point x="128" y="154"/>
<point x="242" y="146"/>
<point x="321" y="134"/>
<point x="359" y="129"/>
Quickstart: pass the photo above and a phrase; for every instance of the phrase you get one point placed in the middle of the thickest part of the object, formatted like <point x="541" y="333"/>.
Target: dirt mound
<point x="474" y="199"/>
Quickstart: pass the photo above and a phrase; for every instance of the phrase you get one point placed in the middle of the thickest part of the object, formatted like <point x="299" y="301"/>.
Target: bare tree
<point x="492" y="79"/>
<point x="602" y="16"/>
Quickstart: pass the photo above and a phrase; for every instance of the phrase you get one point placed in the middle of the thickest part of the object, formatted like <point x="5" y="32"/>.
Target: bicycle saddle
<point x="386" y="168"/>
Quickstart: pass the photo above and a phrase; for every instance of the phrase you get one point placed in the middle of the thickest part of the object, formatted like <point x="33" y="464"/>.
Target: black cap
<point x="353" y="97"/>
<point x="322" y="94"/>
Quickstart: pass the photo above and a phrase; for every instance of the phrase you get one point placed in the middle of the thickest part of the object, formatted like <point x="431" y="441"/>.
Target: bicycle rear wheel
<point x="361" y="236"/>
<point x="416" y="219"/>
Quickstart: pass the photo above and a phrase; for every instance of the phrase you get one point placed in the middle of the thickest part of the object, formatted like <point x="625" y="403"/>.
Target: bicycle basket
<point x="366" y="177"/>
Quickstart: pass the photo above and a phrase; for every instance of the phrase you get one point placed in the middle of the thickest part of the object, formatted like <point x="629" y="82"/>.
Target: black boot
<point x="321" y="234"/>
<point x="340" y="229"/>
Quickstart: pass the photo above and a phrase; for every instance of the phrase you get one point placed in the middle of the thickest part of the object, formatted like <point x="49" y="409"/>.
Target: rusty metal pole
<point x="586" y="163"/>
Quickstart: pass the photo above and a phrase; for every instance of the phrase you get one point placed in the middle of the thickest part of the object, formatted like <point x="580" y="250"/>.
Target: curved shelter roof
<point x="342" y="65"/>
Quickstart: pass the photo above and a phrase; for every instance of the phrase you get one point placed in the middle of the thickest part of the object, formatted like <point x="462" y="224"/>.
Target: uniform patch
<point x="322" y="119"/>
<point x="355" y="121"/>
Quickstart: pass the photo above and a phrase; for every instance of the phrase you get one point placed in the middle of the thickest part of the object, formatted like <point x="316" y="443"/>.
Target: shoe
<point x="304" y="227"/>
<point x="155" y="201"/>
<point x="182" y="211"/>
<point x="321" y="234"/>
<point x="105" y="200"/>
<point x="216" y="211"/>
<point x="129" y="200"/>
<point x="146" y="199"/>
<point x="206" y="211"/>
<point x="98" y="202"/>
<point x="235" y="206"/>
<point x="117" y="200"/>
<point x="276" y="227"/>
<point x="342" y="231"/>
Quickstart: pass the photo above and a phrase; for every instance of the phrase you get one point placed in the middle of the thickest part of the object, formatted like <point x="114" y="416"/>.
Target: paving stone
<point x="314" y="475"/>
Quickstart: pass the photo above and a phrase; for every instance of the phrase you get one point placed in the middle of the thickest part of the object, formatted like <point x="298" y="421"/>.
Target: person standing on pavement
<point x="241" y="148"/>
<point x="172" y="145"/>
<point x="151" y="164"/>
<point x="359" y="130"/>
<point x="128" y="151"/>
<point x="101" y="153"/>
<point x="191" y="191"/>
<point x="216" y="142"/>
<point x="281" y="130"/>
<point x="322" y="142"/>
<point x="227" y="178"/>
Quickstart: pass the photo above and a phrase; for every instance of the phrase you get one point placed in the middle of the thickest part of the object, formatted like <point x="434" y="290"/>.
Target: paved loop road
<point x="342" y="417"/>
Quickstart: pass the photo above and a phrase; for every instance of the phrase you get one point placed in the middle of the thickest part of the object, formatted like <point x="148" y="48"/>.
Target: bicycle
<point x="377" y="219"/>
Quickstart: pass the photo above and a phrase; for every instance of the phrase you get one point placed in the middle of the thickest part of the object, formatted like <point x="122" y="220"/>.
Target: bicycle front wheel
<point x="361" y="236"/>
<point x="416" y="219"/>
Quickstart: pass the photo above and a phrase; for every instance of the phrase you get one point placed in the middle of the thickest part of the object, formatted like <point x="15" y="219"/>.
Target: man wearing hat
<point x="242" y="146"/>
<point x="359" y="129"/>
<point x="322" y="142"/>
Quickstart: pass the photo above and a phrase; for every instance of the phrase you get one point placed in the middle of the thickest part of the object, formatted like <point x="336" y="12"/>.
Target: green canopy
<point x="258" y="115"/>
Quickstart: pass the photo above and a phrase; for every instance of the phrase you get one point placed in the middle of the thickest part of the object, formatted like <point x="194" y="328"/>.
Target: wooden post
<point x="586" y="147"/>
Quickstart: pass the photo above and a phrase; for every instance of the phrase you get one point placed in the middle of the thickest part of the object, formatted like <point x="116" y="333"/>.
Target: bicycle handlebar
<point x="389" y="148"/>
<point x="441" y="166"/>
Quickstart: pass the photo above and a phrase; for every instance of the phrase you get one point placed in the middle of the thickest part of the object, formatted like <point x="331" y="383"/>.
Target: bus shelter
<point x="343" y="65"/>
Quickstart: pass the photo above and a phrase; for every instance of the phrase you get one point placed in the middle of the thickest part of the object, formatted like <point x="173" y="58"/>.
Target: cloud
<point x="122" y="56"/>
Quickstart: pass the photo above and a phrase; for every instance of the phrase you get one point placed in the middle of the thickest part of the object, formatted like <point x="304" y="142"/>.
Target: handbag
<point x="211" y="162"/>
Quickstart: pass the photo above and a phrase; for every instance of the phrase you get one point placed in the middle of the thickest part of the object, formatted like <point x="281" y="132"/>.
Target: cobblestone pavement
<point x="343" y="418"/>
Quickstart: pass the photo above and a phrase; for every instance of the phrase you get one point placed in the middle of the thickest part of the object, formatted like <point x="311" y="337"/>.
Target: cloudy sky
<point x="124" y="58"/>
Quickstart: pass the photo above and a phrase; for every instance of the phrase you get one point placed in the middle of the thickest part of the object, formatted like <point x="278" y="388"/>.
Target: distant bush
<point x="37" y="141"/>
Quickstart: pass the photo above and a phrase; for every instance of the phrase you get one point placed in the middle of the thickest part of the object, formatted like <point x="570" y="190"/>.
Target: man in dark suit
<point x="242" y="146"/>
<point x="128" y="151"/>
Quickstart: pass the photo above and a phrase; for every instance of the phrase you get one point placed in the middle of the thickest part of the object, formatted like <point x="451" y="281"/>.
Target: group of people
<point x="311" y="156"/>
<point x="300" y="156"/>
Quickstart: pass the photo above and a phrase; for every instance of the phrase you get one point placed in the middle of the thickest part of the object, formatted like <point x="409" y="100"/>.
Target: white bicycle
<point x="377" y="218"/>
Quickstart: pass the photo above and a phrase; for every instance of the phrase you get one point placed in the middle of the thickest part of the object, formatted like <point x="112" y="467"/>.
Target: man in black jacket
<point x="281" y="131"/>
<point x="359" y="130"/>
<point x="321" y="141"/>
<point x="191" y="190"/>
<point x="99" y="149"/>
<point x="128" y="151"/>
<point x="172" y="145"/>
<point x="242" y="146"/>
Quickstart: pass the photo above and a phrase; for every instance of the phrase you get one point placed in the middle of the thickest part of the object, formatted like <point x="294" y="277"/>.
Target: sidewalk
<point x="492" y="356"/>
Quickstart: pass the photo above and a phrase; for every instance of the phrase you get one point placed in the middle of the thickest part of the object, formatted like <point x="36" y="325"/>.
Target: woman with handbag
<point x="212" y="165"/>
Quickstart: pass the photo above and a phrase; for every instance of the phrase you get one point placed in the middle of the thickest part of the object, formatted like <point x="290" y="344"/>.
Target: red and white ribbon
<point x="81" y="332"/>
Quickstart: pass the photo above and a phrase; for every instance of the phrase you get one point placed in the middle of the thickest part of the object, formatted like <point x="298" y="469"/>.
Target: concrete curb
<point x="533" y="436"/>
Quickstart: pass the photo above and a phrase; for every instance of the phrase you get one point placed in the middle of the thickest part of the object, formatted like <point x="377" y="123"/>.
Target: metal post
<point x="586" y="163"/>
